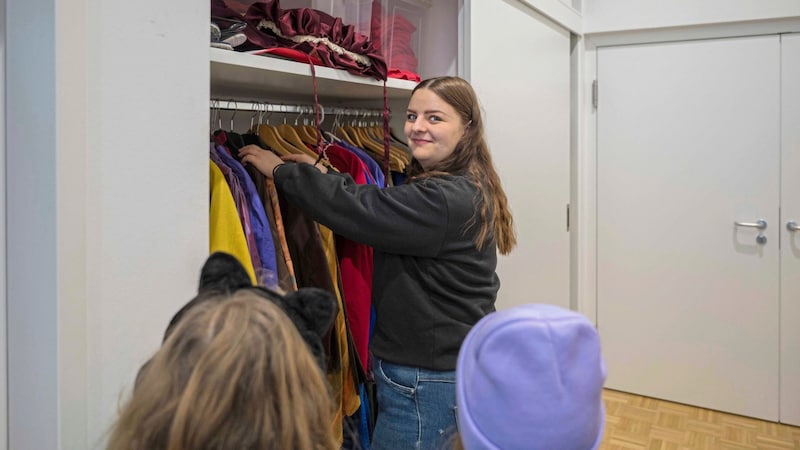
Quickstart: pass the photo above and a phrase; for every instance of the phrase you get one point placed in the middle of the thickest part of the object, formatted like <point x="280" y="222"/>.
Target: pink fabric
<point x="398" y="43"/>
<point x="404" y="75"/>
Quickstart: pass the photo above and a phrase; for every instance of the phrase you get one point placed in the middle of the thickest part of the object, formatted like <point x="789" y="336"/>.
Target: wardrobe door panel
<point x="519" y="64"/>
<point x="790" y="244"/>
<point x="688" y="143"/>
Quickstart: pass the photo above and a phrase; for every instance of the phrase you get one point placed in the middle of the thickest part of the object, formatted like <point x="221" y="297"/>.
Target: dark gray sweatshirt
<point x="430" y="282"/>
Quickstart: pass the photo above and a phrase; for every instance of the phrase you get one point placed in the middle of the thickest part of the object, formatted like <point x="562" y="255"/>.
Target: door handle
<point x="792" y="226"/>
<point x="760" y="224"/>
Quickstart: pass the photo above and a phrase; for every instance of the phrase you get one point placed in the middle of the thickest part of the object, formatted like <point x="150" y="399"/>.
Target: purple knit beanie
<point x="531" y="377"/>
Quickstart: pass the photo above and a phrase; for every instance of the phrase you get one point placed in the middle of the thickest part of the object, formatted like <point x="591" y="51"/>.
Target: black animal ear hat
<point x="312" y="310"/>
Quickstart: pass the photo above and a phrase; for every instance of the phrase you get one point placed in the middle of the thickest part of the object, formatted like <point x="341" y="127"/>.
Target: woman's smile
<point x="433" y="128"/>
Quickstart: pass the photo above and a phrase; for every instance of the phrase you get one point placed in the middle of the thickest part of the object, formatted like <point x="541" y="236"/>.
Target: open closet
<point x="340" y="119"/>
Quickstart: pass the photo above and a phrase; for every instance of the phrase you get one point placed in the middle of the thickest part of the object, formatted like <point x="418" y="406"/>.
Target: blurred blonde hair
<point x="233" y="374"/>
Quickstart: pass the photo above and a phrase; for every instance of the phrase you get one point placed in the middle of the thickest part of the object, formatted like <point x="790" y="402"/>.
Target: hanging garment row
<point x="281" y="247"/>
<point x="294" y="131"/>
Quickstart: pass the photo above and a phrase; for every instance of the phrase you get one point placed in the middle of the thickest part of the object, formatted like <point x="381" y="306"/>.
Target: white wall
<point x="107" y="210"/>
<point x="147" y="183"/>
<point x="618" y="15"/>
<point x="70" y="146"/>
<point x="3" y="342"/>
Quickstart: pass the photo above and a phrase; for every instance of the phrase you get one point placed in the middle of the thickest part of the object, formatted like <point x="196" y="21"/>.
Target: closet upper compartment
<point x="394" y="27"/>
<point x="395" y="34"/>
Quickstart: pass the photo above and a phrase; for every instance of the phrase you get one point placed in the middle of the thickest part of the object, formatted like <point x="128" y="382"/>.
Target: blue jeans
<point x="416" y="407"/>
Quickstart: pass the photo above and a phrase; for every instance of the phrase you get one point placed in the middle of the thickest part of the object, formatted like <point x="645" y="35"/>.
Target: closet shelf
<point x="242" y="76"/>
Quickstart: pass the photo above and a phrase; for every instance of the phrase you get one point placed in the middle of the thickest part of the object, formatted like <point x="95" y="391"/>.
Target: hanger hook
<point x="213" y="113"/>
<point x="322" y="114"/>
<point x="256" y="108"/>
<point x="264" y="111"/>
<point x="335" y="112"/>
<point x="228" y="106"/>
<point x="299" y="113"/>
<point x="219" y="117"/>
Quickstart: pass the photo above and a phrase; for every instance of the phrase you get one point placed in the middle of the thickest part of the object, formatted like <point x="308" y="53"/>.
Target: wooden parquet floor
<point x="634" y="422"/>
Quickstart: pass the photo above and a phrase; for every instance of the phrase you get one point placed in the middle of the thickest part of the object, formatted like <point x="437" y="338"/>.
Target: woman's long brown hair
<point x="472" y="156"/>
<point x="234" y="373"/>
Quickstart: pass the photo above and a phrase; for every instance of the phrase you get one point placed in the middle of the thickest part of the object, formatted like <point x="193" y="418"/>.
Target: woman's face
<point x="433" y="128"/>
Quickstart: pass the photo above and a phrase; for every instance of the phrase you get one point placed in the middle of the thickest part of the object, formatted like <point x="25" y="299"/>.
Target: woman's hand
<point x="266" y="162"/>
<point x="263" y="160"/>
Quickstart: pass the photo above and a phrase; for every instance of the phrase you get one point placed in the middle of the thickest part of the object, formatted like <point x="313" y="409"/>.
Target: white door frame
<point x="790" y="243"/>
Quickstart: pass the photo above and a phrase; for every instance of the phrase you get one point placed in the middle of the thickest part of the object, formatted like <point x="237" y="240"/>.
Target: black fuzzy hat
<point x="312" y="310"/>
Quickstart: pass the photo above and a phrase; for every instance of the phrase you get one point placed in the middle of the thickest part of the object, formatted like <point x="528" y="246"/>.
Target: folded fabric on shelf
<point x="310" y="31"/>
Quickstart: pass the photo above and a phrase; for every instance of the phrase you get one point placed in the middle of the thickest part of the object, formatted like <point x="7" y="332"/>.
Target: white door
<point x="790" y="244"/>
<point x="689" y="142"/>
<point x="519" y="65"/>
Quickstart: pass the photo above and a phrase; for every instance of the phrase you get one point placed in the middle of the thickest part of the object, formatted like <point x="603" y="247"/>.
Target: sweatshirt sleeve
<point x="410" y="219"/>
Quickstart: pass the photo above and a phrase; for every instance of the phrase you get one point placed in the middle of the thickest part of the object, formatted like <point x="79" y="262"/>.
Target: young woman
<point x="233" y="373"/>
<point x="435" y="242"/>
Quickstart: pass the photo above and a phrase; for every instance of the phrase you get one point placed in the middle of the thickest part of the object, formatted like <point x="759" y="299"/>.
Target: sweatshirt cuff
<point x="275" y="169"/>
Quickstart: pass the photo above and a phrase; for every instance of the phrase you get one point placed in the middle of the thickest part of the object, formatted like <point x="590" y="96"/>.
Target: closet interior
<point x="283" y="249"/>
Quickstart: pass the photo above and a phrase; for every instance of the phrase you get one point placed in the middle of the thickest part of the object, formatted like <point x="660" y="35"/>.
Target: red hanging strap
<point x="386" y="133"/>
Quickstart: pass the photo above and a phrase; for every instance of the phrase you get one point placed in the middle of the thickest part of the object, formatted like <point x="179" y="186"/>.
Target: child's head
<point x="234" y="372"/>
<point x="312" y="310"/>
<point x="531" y="377"/>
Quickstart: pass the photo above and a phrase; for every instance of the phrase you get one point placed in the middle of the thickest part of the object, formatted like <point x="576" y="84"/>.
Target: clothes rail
<point x="280" y="108"/>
